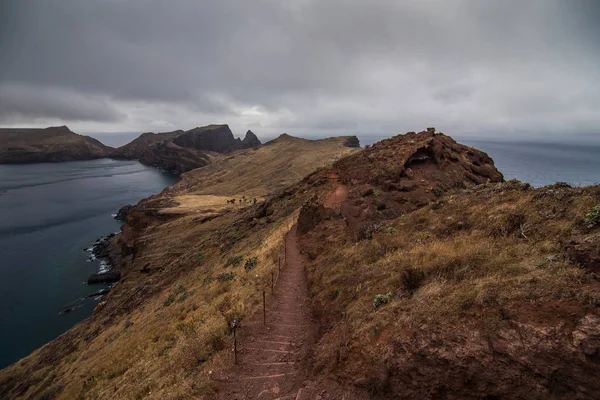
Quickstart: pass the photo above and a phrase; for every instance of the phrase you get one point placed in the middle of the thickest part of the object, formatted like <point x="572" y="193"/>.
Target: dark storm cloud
<point x="22" y="103"/>
<point x="304" y="65"/>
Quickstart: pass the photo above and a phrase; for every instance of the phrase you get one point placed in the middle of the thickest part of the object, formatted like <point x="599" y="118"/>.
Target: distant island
<point x="54" y="144"/>
<point x="177" y="151"/>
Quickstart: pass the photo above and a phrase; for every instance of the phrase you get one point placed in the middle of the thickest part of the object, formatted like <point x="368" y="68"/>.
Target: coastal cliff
<point x="429" y="277"/>
<point x="54" y="144"/>
<point x="180" y="151"/>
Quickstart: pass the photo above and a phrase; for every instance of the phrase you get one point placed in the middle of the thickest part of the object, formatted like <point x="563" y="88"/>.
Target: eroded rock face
<point x="311" y="214"/>
<point x="406" y="172"/>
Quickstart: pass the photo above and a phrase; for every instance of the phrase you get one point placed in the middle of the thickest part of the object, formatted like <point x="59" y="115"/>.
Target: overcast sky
<point x="306" y="67"/>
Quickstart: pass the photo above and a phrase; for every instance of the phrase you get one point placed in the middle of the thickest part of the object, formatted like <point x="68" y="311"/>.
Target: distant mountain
<point x="181" y="151"/>
<point x="54" y="144"/>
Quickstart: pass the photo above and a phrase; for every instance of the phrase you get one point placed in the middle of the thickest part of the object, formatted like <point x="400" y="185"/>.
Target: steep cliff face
<point x="54" y="144"/>
<point x="180" y="151"/>
<point x="250" y="140"/>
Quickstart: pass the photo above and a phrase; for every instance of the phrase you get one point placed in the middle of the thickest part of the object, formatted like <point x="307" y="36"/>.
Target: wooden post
<point x="235" y="342"/>
<point x="284" y="251"/>
<point x="264" y="309"/>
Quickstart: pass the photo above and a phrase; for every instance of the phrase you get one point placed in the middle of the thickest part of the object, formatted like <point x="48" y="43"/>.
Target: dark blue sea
<point x="543" y="163"/>
<point x="50" y="213"/>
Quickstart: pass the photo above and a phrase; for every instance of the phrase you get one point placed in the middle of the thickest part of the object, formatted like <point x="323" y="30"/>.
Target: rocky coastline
<point x="101" y="251"/>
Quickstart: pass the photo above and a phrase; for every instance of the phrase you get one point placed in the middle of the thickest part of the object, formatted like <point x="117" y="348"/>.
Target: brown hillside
<point x="164" y="326"/>
<point x="489" y="292"/>
<point x="54" y="144"/>
<point x="477" y="291"/>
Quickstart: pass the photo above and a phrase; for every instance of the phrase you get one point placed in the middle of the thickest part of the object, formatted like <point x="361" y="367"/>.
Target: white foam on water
<point x="103" y="267"/>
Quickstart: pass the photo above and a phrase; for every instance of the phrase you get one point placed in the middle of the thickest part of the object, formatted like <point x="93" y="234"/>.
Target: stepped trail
<point x="272" y="358"/>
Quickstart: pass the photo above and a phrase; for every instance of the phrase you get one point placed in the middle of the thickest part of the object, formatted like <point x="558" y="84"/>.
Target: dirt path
<point x="271" y="358"/>
<point x="339" y="194"/>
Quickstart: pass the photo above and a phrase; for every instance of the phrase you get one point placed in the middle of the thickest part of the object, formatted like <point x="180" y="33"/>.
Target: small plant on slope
<point x="592" y="218"/>
<point x="381" y="299"/>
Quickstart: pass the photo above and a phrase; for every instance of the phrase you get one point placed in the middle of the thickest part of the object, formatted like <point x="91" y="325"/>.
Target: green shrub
<point x="215" y="341"/>
<point x="250" y="264"/>
<point x="235" y="261"/>
<point x="183" y="297"/>
<point x="170" y="300"/>
<point x="592" y="218"/>
<point x="381" y="299"/>
<point x="226" y="277"/>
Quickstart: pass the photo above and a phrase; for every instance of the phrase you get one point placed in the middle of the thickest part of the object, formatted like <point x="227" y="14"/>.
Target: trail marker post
<point x="264" y="309"/>
<point x="234" y="325"/>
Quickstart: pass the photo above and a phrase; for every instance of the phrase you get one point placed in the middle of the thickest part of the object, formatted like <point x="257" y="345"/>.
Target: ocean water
<point x="50" y="213"/>
<point x="543" y="163"/>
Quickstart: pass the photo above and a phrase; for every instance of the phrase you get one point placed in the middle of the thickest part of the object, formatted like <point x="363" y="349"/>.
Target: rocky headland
<point x="54" y="144"/>
<point x="181" y="151"/>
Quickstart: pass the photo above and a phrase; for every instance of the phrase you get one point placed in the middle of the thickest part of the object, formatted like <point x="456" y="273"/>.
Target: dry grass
<point x="479" y="254"/>
<point x="163" y="334"/>
<point x="194" y="203"/>
<point x="264" y="170"/>
<point x="170" y="348"/>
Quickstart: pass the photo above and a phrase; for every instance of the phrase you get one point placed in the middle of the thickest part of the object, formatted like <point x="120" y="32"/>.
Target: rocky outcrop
<point x="54" y="144"/>
<point x="352" y="141"/>
<point x="250" y="140"/>
<point x="181" y="151"/>
<point x="312" y="213"/>
<point x="406" y="172"/>
<point x="217" y="138"/>
<point x="123" y="212"/>
<point x="107" y="277"/>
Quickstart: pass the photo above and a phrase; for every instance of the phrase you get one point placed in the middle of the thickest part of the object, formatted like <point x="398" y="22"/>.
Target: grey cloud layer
<point x="304" y="65"/>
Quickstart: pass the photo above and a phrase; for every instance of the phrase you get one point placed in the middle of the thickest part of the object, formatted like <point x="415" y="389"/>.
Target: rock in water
<point x="107" y="277"/>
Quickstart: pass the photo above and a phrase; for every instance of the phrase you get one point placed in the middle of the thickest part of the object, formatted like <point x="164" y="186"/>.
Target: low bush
<point x="592" y="217"/>
<point x="170" y="300"/>
<point x="381" y="299"/>
<point x="228" y="276"/>
<point x="250" y="264"/>
<point x="411" y="280"/>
